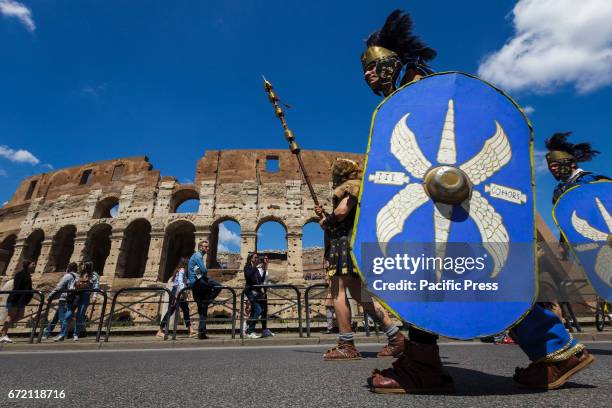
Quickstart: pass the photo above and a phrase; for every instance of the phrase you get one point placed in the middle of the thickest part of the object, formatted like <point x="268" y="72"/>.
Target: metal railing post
<point x="136" y="289"/>
<point x="233" y="318"/>
<point x="37" y="315"/>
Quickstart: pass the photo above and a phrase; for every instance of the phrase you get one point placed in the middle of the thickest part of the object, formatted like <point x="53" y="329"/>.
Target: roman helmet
<point x="393" y="48"/>
<point x="563" y="156"/>
<point x="343" y="170"/>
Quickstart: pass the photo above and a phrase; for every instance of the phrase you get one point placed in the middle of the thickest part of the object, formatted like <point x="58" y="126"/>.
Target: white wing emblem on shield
<point x="495" y="153"/>
<point x="603" y="262"/>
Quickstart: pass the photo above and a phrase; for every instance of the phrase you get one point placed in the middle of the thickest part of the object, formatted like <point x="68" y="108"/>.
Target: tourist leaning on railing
<point x="256" y="273"/>
<point x="17" y="302"/>
<point x="204" y="289"/>
<point x="88" y="279"/>
<point x="77" y="302"/>
<point x="179" y="282"/>
<point x="65" y="283"/>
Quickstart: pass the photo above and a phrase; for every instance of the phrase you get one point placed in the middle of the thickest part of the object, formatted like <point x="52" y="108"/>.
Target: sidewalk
<point x="120" y="341"/>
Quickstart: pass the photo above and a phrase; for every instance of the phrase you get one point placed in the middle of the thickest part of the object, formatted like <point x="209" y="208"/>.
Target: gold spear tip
<point x="267" y="84"/>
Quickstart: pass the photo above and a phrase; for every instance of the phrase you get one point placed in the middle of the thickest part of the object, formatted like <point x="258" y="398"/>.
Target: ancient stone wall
<point x="121" y="214"/>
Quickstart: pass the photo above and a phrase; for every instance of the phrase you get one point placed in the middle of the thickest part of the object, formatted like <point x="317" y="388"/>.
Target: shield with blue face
<point x="445" y="231"/>
<point x="584" y="216"/>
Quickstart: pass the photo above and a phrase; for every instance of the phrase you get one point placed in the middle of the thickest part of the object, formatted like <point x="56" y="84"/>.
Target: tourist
<point x="62" y="288"/>
<point x="179" y="282"/>
<point x="251" y="278"/>
<point x="89" y="281"/>
<point x="263" y="270"/>
<point x="17" y="302"/>
<point x="78" y="299"/>
<point x="204" y="289"/>
<point x="256" y="273"/>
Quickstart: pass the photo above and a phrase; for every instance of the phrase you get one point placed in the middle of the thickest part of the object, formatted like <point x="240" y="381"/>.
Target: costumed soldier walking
<point x="338" y="227"/>
<point x="395" y="55"/>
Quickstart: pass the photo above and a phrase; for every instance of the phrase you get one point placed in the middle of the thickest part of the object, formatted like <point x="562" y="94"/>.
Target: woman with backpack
<point x="17" y="302"/>
<point x="179" y="282"/>
<point x="88" y="279"/>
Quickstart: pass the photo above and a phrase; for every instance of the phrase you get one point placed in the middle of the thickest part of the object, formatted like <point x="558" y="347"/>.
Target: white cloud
<point x="528" y="110"/>
<point x="227" y="239"/>
<point x="18" y="156"/>
<point x="539" y="161"/>
<point x="556" y="43"/>
<point x="11" y="8"/>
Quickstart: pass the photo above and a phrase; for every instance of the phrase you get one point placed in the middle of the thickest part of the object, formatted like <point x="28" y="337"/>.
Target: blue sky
<point x="95" y="80"/>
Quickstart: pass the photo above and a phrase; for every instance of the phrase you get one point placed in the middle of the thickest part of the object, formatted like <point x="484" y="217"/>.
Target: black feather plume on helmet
<point x="396" y="35"/>
<point x="582" y="152"/>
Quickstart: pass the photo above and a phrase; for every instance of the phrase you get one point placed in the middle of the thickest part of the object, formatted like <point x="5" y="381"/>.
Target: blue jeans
<point x="256" y="312"/>
<point x="79" y="309"/>
<point x="204" y="292"/>
<point x="68" y="313"/>
<point x="184" y="306"/>
<point x="57" y="317"/>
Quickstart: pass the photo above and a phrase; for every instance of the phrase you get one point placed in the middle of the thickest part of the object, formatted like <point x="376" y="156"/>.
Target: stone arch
<point x="33" y="245"/>
<point x="179" y="241"/>
<point x="228" y="259"/>
<point x="7" y="249"/>
<point x="277" y="256"/>
<point x="104" y="208"/>
<point x="134" y="252"/>
<point x="97" y="246"/>
<point x="183" y="195"/>
<point x="313" y="249"/>
<point x="271" y="218"/>
<point x="62" y="248"/>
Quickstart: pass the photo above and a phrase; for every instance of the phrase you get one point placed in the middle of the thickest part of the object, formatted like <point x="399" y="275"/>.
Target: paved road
<point x="282" y="376"/>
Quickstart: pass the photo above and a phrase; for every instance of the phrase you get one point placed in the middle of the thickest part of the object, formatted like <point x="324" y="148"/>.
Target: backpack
<point x="71" y="297"/>
<point x="82" y="283"/>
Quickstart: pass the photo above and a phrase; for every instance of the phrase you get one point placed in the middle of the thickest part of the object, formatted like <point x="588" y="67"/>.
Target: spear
<point x="293" y="146"/>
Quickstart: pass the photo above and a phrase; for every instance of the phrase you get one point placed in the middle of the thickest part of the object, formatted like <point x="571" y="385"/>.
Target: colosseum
<point x="122" y="215"/>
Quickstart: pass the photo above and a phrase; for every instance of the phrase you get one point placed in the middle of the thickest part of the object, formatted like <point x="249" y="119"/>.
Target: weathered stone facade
<point x="68" y="215"/>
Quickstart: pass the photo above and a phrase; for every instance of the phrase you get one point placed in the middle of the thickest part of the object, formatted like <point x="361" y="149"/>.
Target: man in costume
<point x="338" y="227"/>
<point x="563" y="158"/>
<point x="394" y="52"/>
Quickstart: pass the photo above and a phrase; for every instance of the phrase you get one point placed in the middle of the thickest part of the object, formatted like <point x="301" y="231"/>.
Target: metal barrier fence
<point x="215" y="302"/>
<point x="37" y="314"/>
<point x="126" y="305"/>
<point x="566" y="307"/>
<point x="308" y="297"/>
<point x="569" y="286"/>
<point x="268" y="288"/>
<point x="284" y="303"/>
<point x="77" y="292"/>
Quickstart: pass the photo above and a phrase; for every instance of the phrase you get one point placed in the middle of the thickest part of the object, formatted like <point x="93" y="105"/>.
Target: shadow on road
<point x="600" y="352"/>
<point x="477" y="384"/>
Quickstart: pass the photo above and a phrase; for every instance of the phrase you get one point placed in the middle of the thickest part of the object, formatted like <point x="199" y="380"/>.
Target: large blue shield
<point x="584" y="216"/>
<point x="445" y="233"/>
